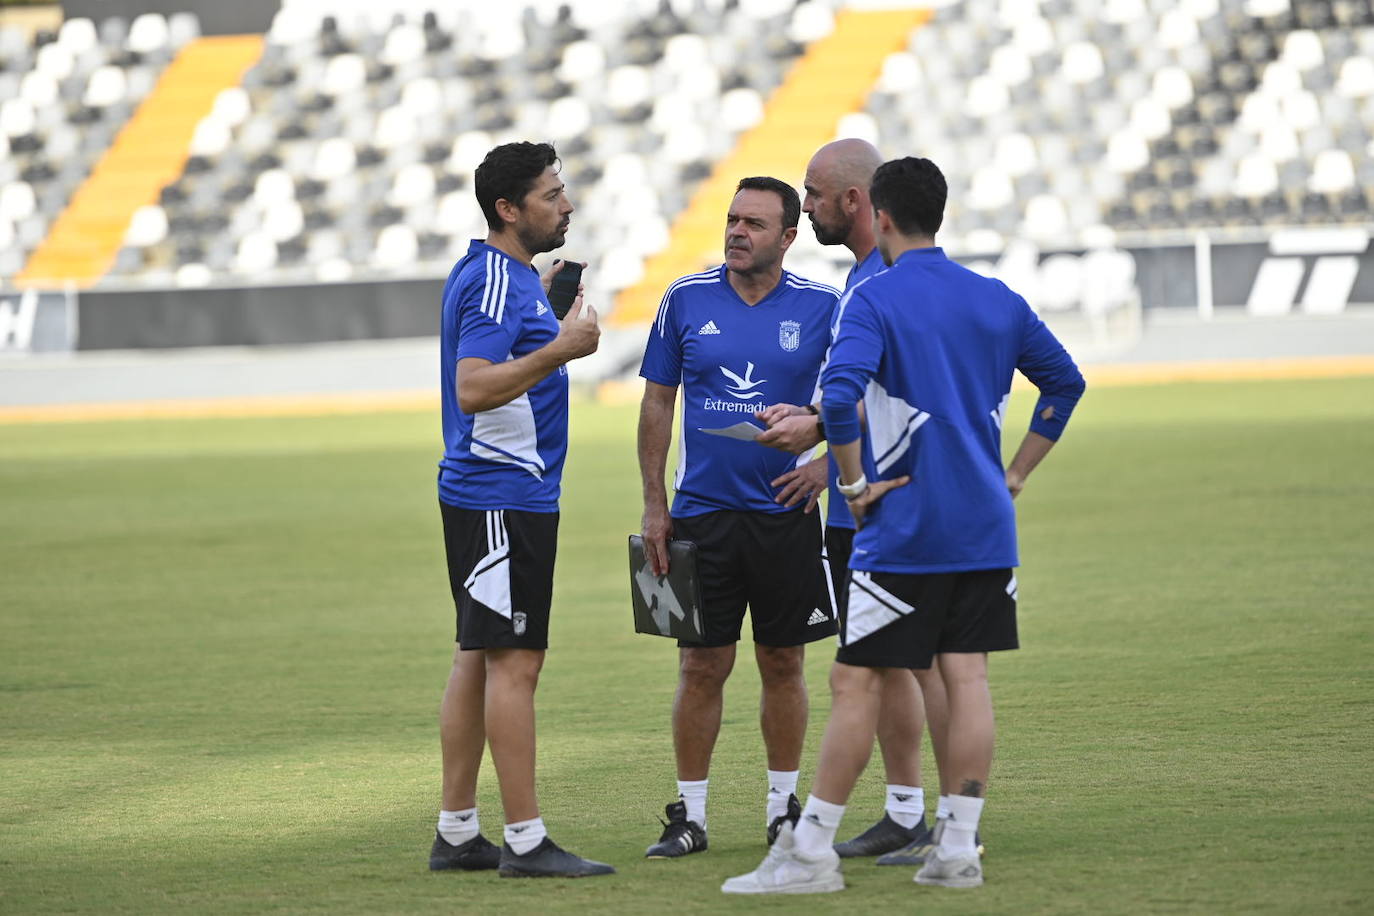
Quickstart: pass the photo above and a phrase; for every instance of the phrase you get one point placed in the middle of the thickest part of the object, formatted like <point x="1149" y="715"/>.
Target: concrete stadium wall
<point x="263" y="315"/>
<point x="1261" y="279"/>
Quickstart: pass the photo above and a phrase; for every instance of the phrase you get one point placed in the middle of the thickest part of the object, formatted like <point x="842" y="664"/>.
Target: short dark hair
<point x="912" y="192"/>
<point x="508" y="172"/>
<point x="791" y="203"/>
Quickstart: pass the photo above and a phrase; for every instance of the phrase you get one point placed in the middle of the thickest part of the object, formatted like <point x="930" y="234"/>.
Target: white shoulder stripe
<point x="660" y="321"/>
<point x="798" y="283"/>
<point x="486" y="288"/>
<point x="494" y="292"/>
<point x="505" y="285"/>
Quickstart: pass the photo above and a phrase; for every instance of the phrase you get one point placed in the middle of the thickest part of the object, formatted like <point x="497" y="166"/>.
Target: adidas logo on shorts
<point x="816" y="617"/>
<point x="709" y="328"/>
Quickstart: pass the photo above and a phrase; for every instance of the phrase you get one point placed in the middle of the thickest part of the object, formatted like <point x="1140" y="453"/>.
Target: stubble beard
<point x="540" y="242"/>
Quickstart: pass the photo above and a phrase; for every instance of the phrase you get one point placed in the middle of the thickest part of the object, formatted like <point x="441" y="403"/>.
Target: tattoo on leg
<point x="972" y="788"/>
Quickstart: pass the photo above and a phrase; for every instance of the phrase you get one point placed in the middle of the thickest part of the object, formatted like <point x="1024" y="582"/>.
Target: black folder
<point x="666" y="605"/>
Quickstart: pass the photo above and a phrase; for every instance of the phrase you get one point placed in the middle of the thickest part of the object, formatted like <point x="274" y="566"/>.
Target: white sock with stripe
<point x="522" y="836"/>
<point x="782" y="784"/>
<point x="961" y="828"/>
<point x="816" y="830"/>
<point x="457" y="827"/>
<point x="693" y="794"/>
<point x="906" y="804"/>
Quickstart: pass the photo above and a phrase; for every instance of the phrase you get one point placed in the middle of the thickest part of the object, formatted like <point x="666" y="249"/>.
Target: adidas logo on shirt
<point x="708" y="328"/>
<point x="816" y="617"/>
<point x="540" y="308"/>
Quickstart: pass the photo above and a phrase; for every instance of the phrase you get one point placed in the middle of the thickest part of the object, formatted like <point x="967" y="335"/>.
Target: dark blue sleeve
<point x="854" y="358"/>
<point x="663" y="353"/>
<point x="1049" y="367"/>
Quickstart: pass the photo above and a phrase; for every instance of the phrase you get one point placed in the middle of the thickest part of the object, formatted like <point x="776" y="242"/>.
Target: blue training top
<point x="837" y="512"/>
<point x="732" y="359"/>
<point x="509" y="457"/>
<point x="930" y="347"/>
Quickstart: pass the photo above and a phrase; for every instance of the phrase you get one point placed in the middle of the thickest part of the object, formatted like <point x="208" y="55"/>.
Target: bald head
<point x="837" y="180"/>
<point x="850" y="162"/>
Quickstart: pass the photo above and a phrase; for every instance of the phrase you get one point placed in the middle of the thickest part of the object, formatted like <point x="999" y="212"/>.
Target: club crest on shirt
<point x="789" y="335"/>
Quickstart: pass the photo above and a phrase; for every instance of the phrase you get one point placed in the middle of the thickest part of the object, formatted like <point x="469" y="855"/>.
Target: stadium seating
<point x="349" y="148"/>
<point x="63" y="97"/>
<point x="1054" y="118"/>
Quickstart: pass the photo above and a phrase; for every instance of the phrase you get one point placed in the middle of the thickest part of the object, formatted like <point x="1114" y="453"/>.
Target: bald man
<point x="838" y="206"/>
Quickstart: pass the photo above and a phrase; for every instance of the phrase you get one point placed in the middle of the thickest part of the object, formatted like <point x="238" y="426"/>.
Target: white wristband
<point x="852" y="490"/>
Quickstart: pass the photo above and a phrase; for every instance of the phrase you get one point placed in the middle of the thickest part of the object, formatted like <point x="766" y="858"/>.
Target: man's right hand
<point x="578" y="333"/>
<point x="656" y="529"/>
<point x="794" y="433"/>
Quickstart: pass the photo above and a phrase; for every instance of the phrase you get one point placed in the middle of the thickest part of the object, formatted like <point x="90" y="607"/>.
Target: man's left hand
<point x="807" y="482"/>
<point x="546" y="279"/>
<point x="860" y="505"/>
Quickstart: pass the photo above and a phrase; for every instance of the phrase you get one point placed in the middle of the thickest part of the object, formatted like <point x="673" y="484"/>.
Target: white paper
<point x="746" y="432"/>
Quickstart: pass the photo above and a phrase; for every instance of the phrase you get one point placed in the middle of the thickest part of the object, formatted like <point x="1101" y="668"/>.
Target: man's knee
<point x="963" y="669"/>
<point x="705" y="669"/>
<point x="514" y="668"/>
<point x="853" y="680"/>
<point x="779" y="665"/>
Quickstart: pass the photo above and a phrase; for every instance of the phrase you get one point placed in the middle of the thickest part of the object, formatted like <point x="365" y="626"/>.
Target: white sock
<point x="693" y="794"/>
<point x="942" y="810"/>
<point x="816" y="829"/>
<point x="962" y="824"/>
<point x="782" y="784"/>
<point x="522" y="836"/>
<point x="906" y="804"/>
<point x="457" y="827"/>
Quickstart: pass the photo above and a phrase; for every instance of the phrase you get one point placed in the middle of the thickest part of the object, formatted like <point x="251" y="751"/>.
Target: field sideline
<point x="222" y="643"/>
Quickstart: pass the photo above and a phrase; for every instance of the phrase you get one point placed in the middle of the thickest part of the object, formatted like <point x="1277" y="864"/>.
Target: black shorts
<point x="769" y="561"/>
<point x="500" y="568"/>
<point x="904" y="621"/>
<point x="839" y="544"/>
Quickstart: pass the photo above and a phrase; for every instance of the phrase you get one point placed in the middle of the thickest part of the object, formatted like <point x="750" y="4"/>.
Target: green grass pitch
<point x="222" y="644"/>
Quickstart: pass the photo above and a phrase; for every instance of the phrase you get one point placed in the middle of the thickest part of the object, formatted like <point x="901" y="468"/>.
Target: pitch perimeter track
<point x="412" y="400"/>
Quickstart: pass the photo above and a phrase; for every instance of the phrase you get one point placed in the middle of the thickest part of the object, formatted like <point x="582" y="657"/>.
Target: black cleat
<point x="477" y="854"/>
<point x="916" y="851"/>
<point x="680" y="836"/>
<point x="792" y="816"/>
<point x="549" y="860"/>
<point x="883" y="837"/>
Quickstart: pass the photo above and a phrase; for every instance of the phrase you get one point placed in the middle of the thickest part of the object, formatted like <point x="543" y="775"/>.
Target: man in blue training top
<point x="837" y="180"/>
<point x="930" y="347"/>
<point x="505" y="419"/>
<point x="736" y="339"/>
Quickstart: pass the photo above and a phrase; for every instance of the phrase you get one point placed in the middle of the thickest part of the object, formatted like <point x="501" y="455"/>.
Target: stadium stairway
<point x="148" y="153"/>
<point x="831" y="80"/>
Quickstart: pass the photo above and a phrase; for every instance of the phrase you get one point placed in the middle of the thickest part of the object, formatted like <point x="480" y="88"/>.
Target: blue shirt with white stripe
<point x="931" y="347"/>
<point x="509" y="457"/>
<point x="837" y="512"/>
<point x="733" y="359"/>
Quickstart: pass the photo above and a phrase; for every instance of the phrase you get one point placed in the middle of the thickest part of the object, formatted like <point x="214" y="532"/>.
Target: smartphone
<point x="563" y="290"/>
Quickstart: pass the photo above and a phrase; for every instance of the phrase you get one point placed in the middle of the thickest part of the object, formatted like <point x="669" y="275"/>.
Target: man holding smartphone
<point x="505" y="420"/>
<point x="737" y="338"/>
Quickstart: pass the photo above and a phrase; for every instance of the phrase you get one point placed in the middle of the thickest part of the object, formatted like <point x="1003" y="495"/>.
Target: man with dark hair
<point x="737" y="338"/>
<point x="930" y="347"/>
<point x="504" y="392"/>
<point x="837" y="202"/>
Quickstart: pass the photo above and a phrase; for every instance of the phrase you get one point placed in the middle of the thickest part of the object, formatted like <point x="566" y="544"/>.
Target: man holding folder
<point x="736" y="339"/>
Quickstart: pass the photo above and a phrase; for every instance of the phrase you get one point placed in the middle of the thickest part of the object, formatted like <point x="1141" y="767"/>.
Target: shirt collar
<point x="935" y="253"/>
